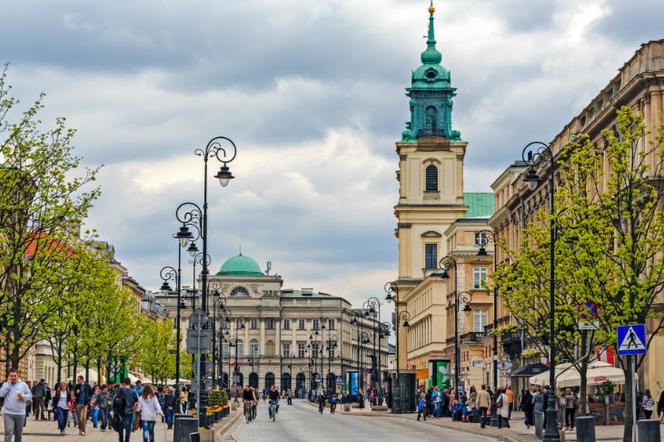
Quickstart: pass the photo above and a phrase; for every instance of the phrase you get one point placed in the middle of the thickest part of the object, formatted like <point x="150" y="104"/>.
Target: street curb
<point x="227" y="426"/>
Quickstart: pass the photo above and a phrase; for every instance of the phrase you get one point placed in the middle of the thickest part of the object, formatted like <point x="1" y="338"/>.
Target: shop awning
<point x="566" y="376"/>
<point x="530" y="370"/>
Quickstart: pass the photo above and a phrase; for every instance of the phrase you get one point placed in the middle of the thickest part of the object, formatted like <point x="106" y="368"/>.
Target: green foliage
<point x="609" y="239"/>
<point x="215" y="398"/>
<point x="43" y="198"/>
<point x="156" y="342"/>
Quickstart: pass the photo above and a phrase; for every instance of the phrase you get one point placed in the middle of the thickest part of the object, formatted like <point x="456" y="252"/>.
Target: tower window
<point x="430" y="256"/>
<point x="431" y="119"/>
<point x="432" y="178"/>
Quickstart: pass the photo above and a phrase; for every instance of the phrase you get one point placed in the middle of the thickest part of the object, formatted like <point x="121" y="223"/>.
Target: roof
<point x="240" y="265"/>
<point x="480" y="204"/>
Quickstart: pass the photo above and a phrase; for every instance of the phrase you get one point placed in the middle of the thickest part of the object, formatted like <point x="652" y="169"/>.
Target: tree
<point x="155" y="357"/>
<point x="42" y="202"/>
<point x="610" y="236"/>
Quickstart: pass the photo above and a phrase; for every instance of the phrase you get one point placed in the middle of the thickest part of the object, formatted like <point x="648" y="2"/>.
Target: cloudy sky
<point x="313" y="94"/>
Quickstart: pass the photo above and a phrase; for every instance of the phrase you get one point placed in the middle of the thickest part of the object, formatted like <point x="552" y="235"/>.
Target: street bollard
<point x="649" y="430"/>
<point x="585" y="428"/>
<point x="539" y="420"/>
<point x="195" y="437"/>
<point x="184" y="426"/>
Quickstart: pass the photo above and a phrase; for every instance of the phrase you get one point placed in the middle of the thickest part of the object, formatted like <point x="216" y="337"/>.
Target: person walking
<point x="61" y="406"/>
<point x="105" y="404"/>
<point x="93" y="408"/>
<point x="321" y="402"/>
<point x="510" y="395"/>
<point x="149" y="407"/>
<point x="169" y="406"/>
<point x="437" y="401"/>
<point x="660" y="406"/>
<point x="184" y="398"/>
<point x="38" y="398"/>
<point x="125" y="402"/>
<point x="421" y="405"/>
<point x="483" y="404"/>
<point x="648" y="404"/>
<point x="527" y="408"/>
<point x="82" y="395"/>
<point x="16" y="395"/>
<point x="503" y="409"/>
<point x="570" y="408"/>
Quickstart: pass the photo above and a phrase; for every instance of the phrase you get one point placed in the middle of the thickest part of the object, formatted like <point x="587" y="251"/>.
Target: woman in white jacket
<point x="149" y="406"/>
<point x="503" y="409"/>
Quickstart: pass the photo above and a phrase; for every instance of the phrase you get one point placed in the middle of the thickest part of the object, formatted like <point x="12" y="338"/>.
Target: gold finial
<point x="431" y="8"/>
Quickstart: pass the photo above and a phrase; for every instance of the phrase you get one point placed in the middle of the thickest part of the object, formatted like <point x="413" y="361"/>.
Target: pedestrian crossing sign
<point x="632" y="339"/>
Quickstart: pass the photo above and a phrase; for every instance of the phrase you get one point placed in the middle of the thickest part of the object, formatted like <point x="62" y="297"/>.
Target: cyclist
<point x="321" y="402"/>
<point x="249" y="399"/>
<point x="273" y="407"/>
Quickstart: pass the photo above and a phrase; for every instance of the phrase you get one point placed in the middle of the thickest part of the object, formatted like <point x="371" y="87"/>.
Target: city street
<point x="302" y="422"/>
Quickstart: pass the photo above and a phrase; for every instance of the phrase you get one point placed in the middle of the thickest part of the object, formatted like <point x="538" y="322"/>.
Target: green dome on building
<point x="240" y="265"/>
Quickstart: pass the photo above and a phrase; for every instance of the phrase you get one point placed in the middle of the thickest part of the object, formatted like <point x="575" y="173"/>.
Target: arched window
<point x="285" y="381"/>
<point x="253" y="380"/>
<point x="239" y="291"/>
<point x="431" y="119"/>
<point x="269" y="380"/>
<point x="253" y="348"/>
<point x="431" y="178"/>
<point x="300" y="381"/>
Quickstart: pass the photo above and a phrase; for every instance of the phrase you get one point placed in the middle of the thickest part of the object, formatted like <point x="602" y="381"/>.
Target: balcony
<point x="472" y="338"/>
<point x="511" y="341"/>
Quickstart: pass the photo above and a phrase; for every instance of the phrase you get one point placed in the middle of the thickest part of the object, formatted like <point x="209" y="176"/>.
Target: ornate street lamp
<point x="532" y="154"/>
<point x="401" y="320"/>
<point x="484" y="237"/>
<point x="443" y="273"/>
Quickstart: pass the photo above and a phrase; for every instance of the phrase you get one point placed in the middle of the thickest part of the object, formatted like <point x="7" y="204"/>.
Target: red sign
<point x="599" y="379"/>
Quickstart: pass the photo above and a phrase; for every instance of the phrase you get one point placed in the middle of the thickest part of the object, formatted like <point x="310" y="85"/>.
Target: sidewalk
<point x="516" y="433"/>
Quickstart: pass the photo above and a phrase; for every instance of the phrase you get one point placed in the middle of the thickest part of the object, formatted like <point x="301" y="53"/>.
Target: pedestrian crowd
<point x="124" y="407"/>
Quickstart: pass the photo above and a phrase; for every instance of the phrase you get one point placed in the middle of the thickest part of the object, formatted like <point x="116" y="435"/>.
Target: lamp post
<point x="192" y="214"/>
<point x="238" y="326"/>
<point x="363" y="340"/>
<point x="383" y="333"/>
<point x="532" y="154"/>
<point x="464" y="297"/>
<point x="217" y="304"/>
<point x="401" y="319"/>
<point x="331" y="345"/>
<point x="371" y="309"/>
<point x="168" y="273"/>
<point x="484" y="237"/>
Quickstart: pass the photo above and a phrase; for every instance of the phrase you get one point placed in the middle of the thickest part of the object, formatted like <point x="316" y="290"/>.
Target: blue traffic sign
<point x="631" y="339"/>
<point x="339" y="379"/>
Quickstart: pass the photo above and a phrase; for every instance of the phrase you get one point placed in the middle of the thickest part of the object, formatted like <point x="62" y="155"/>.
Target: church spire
<point x="431" y="54"/>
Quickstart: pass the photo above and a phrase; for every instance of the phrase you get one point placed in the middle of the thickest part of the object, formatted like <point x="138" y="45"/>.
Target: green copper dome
<point x="431" y="95"/>
<point x="240" y="265"/>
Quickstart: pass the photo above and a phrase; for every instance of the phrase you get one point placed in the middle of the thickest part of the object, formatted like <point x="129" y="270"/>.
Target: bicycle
<point x="248" y="411"/>
<point x="273" y="409"/>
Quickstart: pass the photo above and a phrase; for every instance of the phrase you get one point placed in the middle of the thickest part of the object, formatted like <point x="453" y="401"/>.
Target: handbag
<point x="137" y="421"/>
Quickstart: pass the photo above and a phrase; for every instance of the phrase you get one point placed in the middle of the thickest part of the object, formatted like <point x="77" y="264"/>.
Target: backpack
<point x="119" y="402"/>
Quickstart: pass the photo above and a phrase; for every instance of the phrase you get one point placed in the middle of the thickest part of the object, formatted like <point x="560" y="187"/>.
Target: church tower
<point x="430" y="175"/>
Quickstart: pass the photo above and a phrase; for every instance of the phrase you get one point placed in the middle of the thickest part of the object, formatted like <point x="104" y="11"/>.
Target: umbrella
<point x="598" y="372"/>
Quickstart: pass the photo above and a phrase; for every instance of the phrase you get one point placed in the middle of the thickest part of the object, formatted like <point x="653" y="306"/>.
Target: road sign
<point x="340" y="380"/>
<point x="476" y="363"/>
<point x="632" y="339"/>
<point x="199" y="335"/>
<point x="504" y="365"/>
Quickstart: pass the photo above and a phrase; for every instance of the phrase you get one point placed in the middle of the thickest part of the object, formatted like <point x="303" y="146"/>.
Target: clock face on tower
<point x="431" y="74"/>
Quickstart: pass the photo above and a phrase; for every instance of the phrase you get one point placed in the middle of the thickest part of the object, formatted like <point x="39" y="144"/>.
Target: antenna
<point x="240" y="249"/>
<point x="269" y="267"/>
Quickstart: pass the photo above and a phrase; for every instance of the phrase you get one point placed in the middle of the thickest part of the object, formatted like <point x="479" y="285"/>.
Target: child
<point x="192" y="411"/>
<point x="420" y="408"/>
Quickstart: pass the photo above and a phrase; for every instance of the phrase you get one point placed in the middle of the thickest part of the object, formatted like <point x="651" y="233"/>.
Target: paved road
<point x="43" y="431"/>
<point x="302" y="422"/>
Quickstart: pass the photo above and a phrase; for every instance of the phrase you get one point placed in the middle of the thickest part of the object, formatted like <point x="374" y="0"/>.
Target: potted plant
<point x="225" y="406"/>
<point x="214" y="404"/>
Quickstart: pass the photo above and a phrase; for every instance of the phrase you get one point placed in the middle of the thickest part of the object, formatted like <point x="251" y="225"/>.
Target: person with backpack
<point x="421" y="404"/>
<point x="125" y="403"/>
<point x="503" y="409"/>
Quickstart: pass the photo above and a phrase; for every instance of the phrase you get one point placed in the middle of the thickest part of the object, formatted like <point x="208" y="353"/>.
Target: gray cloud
<point x="313" y="93"/>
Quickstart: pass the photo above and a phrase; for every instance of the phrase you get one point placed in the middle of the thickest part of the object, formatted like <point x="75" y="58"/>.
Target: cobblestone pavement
<point x="46" y="431"/>
<point x="302" y="422"/>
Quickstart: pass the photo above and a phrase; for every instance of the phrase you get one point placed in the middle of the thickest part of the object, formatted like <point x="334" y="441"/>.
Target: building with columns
<point x="297" y="340"/>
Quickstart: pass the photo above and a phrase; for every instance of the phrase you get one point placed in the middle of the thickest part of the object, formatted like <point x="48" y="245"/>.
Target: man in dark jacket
<point x="125" y="402"/>
<point x="82" y="394"/>
<point x="527" y="408"/>
<point x="38" y="396"/>
<point x="169" y="406"/>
